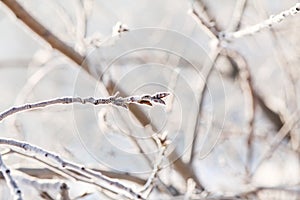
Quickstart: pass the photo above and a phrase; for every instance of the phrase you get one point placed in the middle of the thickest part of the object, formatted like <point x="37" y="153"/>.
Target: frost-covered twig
<point x="204" y="18"/>
<point x="57" y="172"/>
<point x="115" y="100"/>
<point x="102" y="180"/>
<point x="273" y="19"/>
<point x="15" y="190"/>
<point x="207" y="27"/>
<point x="162" y="143"/>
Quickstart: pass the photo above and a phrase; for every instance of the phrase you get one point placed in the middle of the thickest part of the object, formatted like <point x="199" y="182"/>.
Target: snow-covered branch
<point x="61" y="163"/>
<point x="273" y="19"/>
<point x="15" y="190"/>
<point x="114" y="100"/>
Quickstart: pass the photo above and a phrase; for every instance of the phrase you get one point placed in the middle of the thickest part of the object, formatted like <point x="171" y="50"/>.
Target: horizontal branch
<point x="273" y="19"/>
<point x="45" y="173"/>
<point x="104" y="181"/>
<point x="114" y="100"/>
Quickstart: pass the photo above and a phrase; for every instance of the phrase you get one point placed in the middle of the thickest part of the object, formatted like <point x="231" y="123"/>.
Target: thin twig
<point x="81" y="26"/>
<point x="285" y="129"/>
<point x="273" y="19"/>
<point x="206" y="27"/>
<point x="55" y="170"/>
<point x="70" y="174"/>
<point x="27" y="88"/>
<point x="162" y="142"/>
<point x="239" y="62"/>
<point x="215" y="52"/>
<point x="115" y="100"/>
<point x="14" y="188"/>
<point x="65" y="19"/>
<point x="211" y="28"/>
<point x="207" y="19"/>
<point x="64" y="164"/>
<point x="237" y="15"/>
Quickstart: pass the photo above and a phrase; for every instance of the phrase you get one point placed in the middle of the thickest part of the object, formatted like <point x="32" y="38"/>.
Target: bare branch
<point x="44" y="33"/>
<point x="205" y="16"/>
<point x="14" y="188"/>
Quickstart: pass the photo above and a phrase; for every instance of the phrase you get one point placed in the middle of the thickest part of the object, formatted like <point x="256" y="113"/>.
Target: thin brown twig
<point x="44" y="33"/>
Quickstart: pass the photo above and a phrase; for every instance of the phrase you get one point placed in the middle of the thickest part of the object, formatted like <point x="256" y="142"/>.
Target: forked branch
<point x="63" y="164"/>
